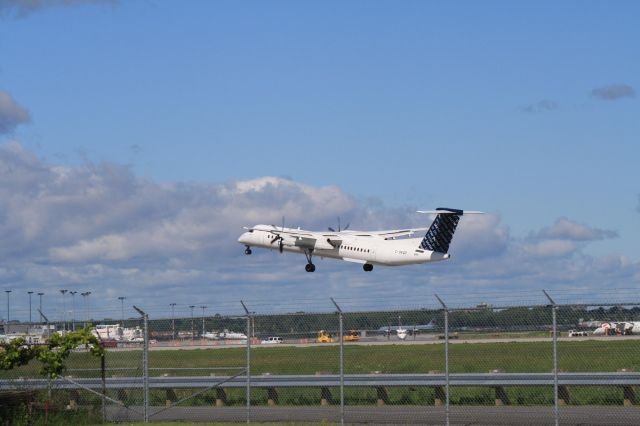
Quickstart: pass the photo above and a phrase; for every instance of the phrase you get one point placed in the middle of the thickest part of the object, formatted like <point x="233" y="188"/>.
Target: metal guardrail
<point x="333" y="380"/>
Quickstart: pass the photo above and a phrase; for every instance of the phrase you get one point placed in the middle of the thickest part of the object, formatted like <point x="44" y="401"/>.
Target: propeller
<point x="345" y="228"/>
<point x="279" y="238"/>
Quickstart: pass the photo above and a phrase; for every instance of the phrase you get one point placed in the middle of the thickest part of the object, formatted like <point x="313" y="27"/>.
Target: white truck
<point x="577" y="333"/>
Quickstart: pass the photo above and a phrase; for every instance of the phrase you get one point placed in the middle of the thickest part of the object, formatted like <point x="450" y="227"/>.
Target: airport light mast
<point x="6" y="328"/>
<point x="73" y="310"/>
<point x="192" y="329"/>
<point x="203" y="308"/>
<point x="85" y="296"/>
<point x="173" y="320"/>
<point x="121" y="299"/>
<point x="64" y="310"/>
<point x="40" y="295"/>
<point x="30" y="293"/>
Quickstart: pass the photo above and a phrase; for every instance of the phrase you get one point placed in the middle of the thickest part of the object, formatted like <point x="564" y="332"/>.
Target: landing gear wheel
<point x="309" y="267"/>
<point x="367" y="267"/>
<point x="247" y="251"/>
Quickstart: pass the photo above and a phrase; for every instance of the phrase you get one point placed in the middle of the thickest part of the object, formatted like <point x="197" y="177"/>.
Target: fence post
<point x="446" y="358"/>
<point x="248" y="368"/>
<point x="555" y="358"/>
<point x="145" y="363"/>
<point x="341" y="361"/>
<point x="103" y="377"/>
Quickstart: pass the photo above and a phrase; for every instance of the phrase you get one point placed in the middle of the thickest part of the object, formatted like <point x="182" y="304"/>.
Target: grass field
<point x="573" y="356"/>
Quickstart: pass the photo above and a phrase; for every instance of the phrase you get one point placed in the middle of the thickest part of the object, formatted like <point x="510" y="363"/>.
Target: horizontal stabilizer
<point x="443" y="210"/>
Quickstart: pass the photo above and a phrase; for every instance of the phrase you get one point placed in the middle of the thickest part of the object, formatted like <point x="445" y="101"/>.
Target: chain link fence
<point x="544" y="362"/>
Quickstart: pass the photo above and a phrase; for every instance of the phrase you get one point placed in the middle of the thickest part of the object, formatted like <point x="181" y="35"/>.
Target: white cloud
<point x="100" y="227"/>
<point x="568" y="230"/>
<point x="549" y="248"/>
<point x="23" y="8"/>
<point x="11" y="114"/>
<point x="544" y="105"/>
<point x="613" y="92"/>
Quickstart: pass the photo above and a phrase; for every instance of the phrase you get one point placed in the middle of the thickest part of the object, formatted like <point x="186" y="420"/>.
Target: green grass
<point x="578" y="356"/>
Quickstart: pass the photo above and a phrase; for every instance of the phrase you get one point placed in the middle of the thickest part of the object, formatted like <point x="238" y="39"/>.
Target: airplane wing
<point x="395" y="233"/>
<point x="308" y="239"/>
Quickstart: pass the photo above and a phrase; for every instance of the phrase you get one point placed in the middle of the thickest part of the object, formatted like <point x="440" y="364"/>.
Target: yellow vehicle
<point x="324" y="337"/>
<point x="351" y="336"/>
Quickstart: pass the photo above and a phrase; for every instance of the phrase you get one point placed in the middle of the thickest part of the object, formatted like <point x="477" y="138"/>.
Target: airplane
<point x="618" y="328"/>
<point x="403" y="332"/>
<point x="211" y="335"/>
<point x="232" y="335"/>
<point x="390" y="248"/>
<point x="419" y="327"/>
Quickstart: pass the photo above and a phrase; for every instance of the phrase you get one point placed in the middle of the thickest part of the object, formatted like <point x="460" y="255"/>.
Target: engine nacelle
<point x="323" y="245"/>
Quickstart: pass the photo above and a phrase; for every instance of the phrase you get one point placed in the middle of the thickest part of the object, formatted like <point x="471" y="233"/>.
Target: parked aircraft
<point x="232" y="335"/>
<point x="618" y="328"/>
<point x="390" y="248"/>
<point x="211" y="335"/>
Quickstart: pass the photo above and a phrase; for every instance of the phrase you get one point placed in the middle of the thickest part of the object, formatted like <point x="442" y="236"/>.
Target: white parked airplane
<point x="618" y="328"/>
<point x="390" y="248"/>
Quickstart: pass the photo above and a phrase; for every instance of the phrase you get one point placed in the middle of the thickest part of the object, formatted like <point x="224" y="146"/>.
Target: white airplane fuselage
<point x="365" y="249"/>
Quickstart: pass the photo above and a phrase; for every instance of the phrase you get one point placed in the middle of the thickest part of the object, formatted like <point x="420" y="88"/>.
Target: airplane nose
<point x="243" y="238"/>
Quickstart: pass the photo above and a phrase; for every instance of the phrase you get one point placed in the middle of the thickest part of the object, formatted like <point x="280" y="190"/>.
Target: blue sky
<point x="528" y="111"/>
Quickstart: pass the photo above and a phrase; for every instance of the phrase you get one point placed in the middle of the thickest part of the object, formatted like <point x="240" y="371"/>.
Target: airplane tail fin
<point x="439" y="235"/>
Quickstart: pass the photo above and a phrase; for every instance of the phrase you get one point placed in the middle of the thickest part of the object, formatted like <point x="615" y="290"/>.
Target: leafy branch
<point x="52" y="355"/>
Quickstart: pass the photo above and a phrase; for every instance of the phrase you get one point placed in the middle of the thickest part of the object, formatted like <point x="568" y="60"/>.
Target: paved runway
<point x="467" y="415"/>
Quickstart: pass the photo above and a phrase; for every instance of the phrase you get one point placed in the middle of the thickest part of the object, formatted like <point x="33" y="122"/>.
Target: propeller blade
<point x="346" y="227"/>
<point x="331" y="229"/>
<point x="277" y="238"/>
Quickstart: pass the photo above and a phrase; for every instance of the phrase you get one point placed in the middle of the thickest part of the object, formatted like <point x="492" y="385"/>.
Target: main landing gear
<point x="309" y="267"/>
<point x="247" y="251"/>
<point x="367" y="267"/>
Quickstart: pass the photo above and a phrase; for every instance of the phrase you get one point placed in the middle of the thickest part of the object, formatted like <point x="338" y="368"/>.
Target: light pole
<point x="121" y="298"/>
<point x="64" y="310"/>
<point x="85" y="296"/>
<point x="203" y="308"/>
<point x="173" y="320"/>
<point x="192" y="329"/>
<point x="6" y="328"/>
<point x="30" y="293"/>
<point x="73" y="310"/>
<point x="40" y="295"/>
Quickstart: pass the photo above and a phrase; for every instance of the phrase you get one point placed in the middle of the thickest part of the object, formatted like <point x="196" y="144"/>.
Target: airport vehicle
<point x="390" y="248"/>
<point x="577" y="333"/>
<point x="324" y="337"/>
<point x="273" y="340"/>
<point x="351" y="336"/>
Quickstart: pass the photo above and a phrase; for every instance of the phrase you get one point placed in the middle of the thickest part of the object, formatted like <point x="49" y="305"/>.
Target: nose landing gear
<point x="247" y="251"/>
